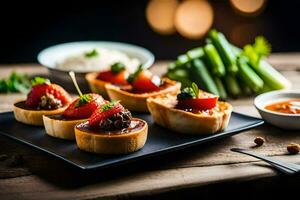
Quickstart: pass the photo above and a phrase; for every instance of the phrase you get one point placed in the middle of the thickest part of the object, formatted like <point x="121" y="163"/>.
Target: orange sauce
<point x="291" y="106"/>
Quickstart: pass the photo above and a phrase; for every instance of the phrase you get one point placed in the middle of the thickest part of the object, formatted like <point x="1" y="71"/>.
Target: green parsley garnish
<point x="15" y="82"/>
<point x="117" y="67"/>
<point x="259" y="49"/>
<point x="39" y="80"/>
<point x="133" y="76"/>
<point x="84" y="99"/>
<point x="92" y="53"/>
<point x="189" y="92"/>
<point x="109" y="105"/>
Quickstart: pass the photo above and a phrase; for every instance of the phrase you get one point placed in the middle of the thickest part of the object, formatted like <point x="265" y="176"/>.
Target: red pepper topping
<point x="116" y="75"/>
<point x="143" y="81"/>
<point x="189" y="99"/>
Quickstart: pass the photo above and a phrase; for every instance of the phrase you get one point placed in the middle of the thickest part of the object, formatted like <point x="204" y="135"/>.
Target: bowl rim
<point x="259" y="98"/>
<point x="136" y="48"/>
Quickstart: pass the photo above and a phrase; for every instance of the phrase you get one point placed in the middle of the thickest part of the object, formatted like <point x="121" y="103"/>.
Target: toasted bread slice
<point x="97" y="86"/>
<point x="136" y="101"/>
<point x="105" y="143"/>
<point x="34" y="117"/>
<point x="60" y="128"/>
<point x="212" y="121"/>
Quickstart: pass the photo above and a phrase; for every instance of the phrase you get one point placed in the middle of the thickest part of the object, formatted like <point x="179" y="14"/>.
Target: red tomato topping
<point x="146" y="82"/>
<point x="198" y="103"/>
<point x="114" y="78"/>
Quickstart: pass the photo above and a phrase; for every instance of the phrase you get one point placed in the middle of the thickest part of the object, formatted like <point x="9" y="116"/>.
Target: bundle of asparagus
<point x="226" y="70"/>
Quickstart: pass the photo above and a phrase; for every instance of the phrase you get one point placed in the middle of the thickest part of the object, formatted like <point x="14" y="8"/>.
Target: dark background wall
<point x="27" y="29"/>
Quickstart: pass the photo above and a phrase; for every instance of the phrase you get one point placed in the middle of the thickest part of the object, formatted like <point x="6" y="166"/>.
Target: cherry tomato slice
<point x="198" y="103"/>
<point x="144" y="83"/>
<point x="118" y="78"/>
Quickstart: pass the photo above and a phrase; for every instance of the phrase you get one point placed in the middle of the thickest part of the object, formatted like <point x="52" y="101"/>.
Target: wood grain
<point x="38" y="176"/>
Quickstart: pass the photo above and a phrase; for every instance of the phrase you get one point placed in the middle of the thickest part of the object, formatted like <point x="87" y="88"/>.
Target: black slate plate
<point x="159" y="141"/>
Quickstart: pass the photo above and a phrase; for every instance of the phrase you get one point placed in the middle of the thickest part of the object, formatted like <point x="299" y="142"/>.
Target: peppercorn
<point x="259" y="141"/>
<point x="293" y="148"/>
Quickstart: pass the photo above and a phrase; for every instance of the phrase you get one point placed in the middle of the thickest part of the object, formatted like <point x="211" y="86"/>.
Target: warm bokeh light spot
<point x="248" y="7"/>
<point x="194" y="18"/>
<point x="160" y="15"/>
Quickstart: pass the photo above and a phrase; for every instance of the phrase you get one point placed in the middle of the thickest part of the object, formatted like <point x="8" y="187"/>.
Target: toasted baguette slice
<point x="63" y="129"/>
<point x="163" y="112"/>
<point x="34" y="117"/>
<point x="112" y="143"/>
<point x="97" y="86"/>
<point x="137" y="102"/>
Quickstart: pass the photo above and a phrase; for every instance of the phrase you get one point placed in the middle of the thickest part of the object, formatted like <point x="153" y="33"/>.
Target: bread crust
<point x="63" y="129"/>
<point x="184" y="122"/>
<point x="34" y="117"/>
<point x="138" y="102"/>
<point x="97" y="86"/>
<point x="112" y="144"/>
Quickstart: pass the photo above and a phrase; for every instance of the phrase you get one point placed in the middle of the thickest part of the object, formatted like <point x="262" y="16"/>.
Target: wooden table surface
<point x="26" y="173"/>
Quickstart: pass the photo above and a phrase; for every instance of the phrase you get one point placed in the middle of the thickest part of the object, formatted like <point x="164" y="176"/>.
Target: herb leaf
<point x="259" y="49"/>
<point x="117" y="67"/>
<point x="83" y="99"/>
<point x="195" y="89"/>
<point x="261" y="46"/>
<point x="39" y="80"/>
<point x="109" y="105"/>
<point x="133" y="76"/>
<point x="189" y="92"/>
<point x="15" y="83"/>
<point x="91" y="53"/>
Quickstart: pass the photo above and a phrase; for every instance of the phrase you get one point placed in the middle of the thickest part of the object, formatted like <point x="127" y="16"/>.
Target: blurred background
<point x="165" y="27"/>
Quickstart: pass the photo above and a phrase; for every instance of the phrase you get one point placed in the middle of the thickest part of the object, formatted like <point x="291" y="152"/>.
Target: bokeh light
<point x="248" y="7"/>
<point x="160" y="15"/>
<point x="194" y="18"/>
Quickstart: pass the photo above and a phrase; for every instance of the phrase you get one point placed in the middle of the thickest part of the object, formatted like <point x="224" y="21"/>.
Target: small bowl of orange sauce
<point x="280" y="108"/>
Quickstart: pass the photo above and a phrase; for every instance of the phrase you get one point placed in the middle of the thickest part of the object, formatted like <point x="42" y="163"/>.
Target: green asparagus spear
<point x="201" y="76"/>
<point x="248" y="75"/>
<point x="214" y="59"/>
<point x="232" y="86"/>
<point x="195" y="53"/>
<point x="246" y="90"/>
<point x="182" y="60"/>
<point x="171" y="66"/>
<point x="271" y="76"/>
<point x="180" y="75"/>
<point x="225" y="50"/>
<point x="221" y="88"/>
<point x="266" y="88"/>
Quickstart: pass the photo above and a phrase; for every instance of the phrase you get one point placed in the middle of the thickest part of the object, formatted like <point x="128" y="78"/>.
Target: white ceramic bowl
<point x="282" y="120"/>
<point x="50" y="56"/>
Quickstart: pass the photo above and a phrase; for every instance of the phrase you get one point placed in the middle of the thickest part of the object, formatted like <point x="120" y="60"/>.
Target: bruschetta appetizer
<point x="190" y="112"/>
<point x="143" y="84"/>
<point x="117" y="75"/>
<point x="111" y="130"/>
<point x="62" y="125"/>
<point x="44" y="98"/>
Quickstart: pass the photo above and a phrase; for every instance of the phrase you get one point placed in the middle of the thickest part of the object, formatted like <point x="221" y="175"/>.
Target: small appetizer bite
<point x="62" y="125"/>
<point x="44" y="98"/>
<point x="116" y="75"/>
<point x="143" y="84"/>
<point x="111" y="130"/>
<point x="191" y="112"/>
